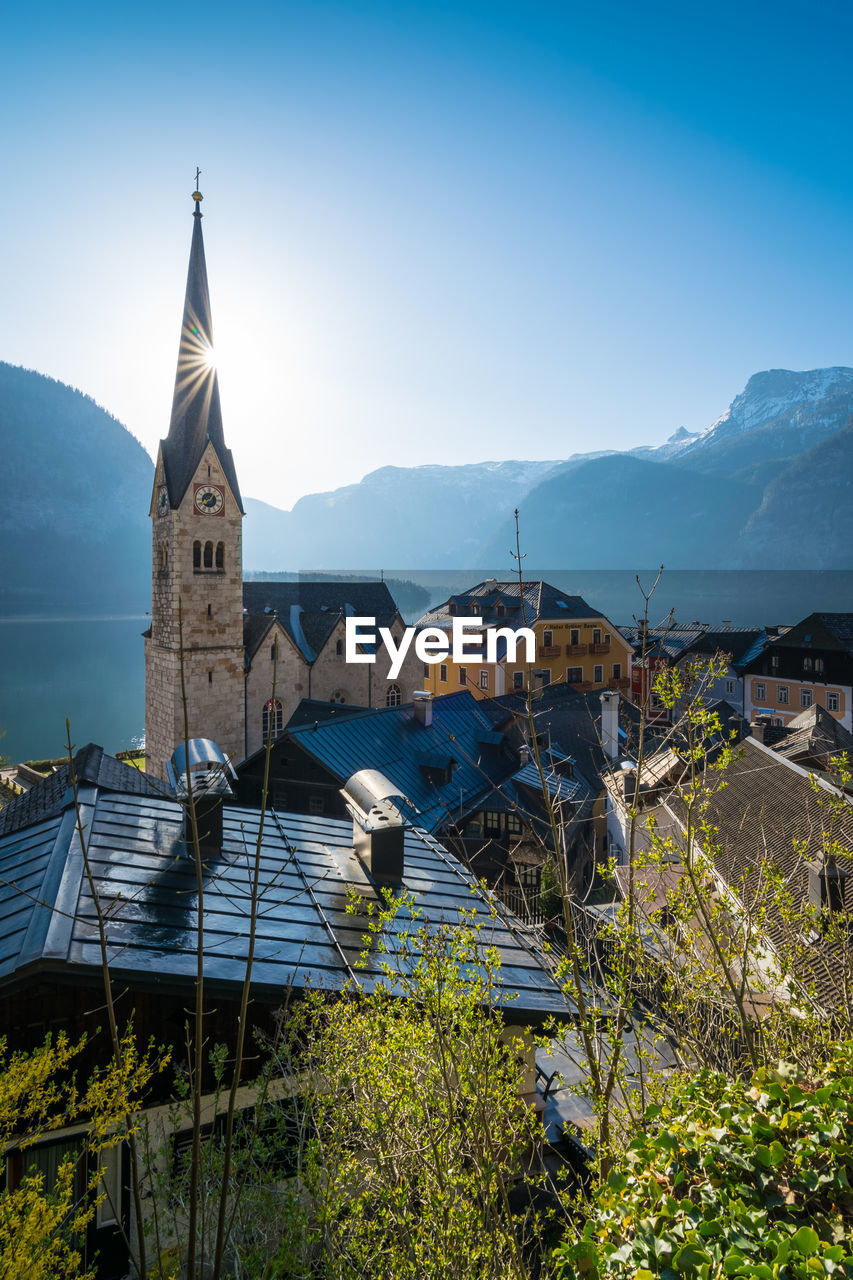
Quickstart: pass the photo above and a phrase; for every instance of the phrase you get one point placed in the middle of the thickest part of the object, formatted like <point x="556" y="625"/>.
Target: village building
<point x="810" y="664"/>
<point x="215" y="642"/>
<point x="574" y="642"/>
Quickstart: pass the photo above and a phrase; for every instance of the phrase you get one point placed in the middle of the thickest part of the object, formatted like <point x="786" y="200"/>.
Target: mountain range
<point x="767" y="485"/>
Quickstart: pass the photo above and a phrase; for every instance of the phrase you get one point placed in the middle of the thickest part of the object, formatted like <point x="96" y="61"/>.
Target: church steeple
<point x="196" y="412"/>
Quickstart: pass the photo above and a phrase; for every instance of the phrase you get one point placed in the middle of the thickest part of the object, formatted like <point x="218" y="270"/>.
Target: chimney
<point x="202" y="766"/>
<point x="423" y="707"/>
<point x="524" y="754"/>
<point x="378" y="826"/>
<point x="610" y="724"/>
<point x="757" y="729"/>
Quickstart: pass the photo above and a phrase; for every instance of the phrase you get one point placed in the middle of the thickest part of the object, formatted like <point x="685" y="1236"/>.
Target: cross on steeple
<point x="197" y="196"/>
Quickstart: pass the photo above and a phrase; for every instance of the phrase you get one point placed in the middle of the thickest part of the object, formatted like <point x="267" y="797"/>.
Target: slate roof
<point x="310" y="611"/>
<point x="146" y="883"/>
<point x="573" y="719"/>
<point x="827" y="631"/>
<point x="196" y="412"/>
<point x="814" y="735"/>
<point x="392" y="739"/>
<point x="766" y="804"/>
<point x="541" y="600"/>
<point x="91" y="766"/>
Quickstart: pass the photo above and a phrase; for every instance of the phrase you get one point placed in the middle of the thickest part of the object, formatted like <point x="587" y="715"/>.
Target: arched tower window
<point x="162" y="557"/>
<point x="339" y="648"/>
<point x="196" y="556"/>
<point x="394" y="696"/>
<point x="220" y="555"/>
<point x="271" y="719"/>
<point x="208" y="555"/>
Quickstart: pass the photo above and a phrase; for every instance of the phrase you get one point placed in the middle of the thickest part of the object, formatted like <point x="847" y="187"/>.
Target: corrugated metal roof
<point x="391" y="738"/>
<point x="146" y="883"/>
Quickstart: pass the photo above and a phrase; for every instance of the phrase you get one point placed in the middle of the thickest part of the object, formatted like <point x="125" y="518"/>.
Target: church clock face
<point x="209" y="499"/>
<point x="162" y="500"/>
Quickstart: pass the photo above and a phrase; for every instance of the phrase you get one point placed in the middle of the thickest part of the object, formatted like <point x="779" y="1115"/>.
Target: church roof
<point x="196" y="413"/>
<point x="310" y="611"/>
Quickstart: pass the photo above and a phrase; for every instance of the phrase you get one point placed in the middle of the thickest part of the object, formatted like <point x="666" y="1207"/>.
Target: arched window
<point x="339" y="648"/>
<point x="208" y="555"/>
<point x="162" y="557"/>
<point x="394" y="696"/>
<point x="220" y="555"/>
<point x="271" y="719"/>
<point x="196" y="556"/>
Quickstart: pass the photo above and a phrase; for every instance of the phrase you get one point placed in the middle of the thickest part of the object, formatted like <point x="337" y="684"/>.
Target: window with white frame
<point x="730" y="686"/>
<point x="782" y="695"/>
<point x="574" y="675"/>
<point x="393" y="696"/>
<point x="463" y="675"/>
<point x="484" y="679"/>
<point x="547" y="638"/>
<point x="598" y="674"/>
<point x="518" y="679"/>
<point x="832" y="701"/>
<point x="806" y="697"/>
<point x="760" y="691"/>
<point x="617" y="670"/>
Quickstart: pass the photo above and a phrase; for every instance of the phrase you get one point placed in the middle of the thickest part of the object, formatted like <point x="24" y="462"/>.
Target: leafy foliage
<point x="41" y="1226"/>
<point x="731" y="1180"/>
<point x="420" y="1129"/>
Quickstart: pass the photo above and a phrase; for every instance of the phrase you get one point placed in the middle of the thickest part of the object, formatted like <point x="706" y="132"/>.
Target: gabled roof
<point x="196" y="413"/>
<point x="501" y="603"/>
<point x="813" y="735"/>
<point x="738" y="642"/>
<point x="92" y="766"/>
<point x="393" y="740"/>
<point x="827" y="631"/>
<point x="146" y="883"/>
<point x="310" y="611"/>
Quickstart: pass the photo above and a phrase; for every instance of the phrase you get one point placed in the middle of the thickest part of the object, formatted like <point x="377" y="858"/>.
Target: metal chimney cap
<point x="204" y="759"/>
<point x="369" y="789"/>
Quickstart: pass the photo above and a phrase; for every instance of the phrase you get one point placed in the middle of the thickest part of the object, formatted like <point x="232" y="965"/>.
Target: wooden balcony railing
<point x="600" y="648"/>
<point x="549" y="651"/>
<point x="576" y="650"/>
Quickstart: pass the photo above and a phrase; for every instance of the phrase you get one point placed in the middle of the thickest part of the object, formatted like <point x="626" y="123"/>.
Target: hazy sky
<point x="434" y="232"/>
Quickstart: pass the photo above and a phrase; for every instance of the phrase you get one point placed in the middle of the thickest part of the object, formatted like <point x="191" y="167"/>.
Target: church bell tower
<point x="197" y="557"/>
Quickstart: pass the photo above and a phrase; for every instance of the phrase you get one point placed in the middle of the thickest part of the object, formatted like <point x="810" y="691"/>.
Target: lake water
<point x="93" y="670"/>
<point x="89" y="670"/>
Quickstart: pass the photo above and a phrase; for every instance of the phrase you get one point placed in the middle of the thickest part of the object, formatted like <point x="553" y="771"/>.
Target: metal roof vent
<point x="378" y="825"/>
<point x="203" y="765"/>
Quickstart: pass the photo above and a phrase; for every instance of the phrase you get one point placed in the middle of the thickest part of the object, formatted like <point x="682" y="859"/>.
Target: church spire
<point x="196" y="413"/>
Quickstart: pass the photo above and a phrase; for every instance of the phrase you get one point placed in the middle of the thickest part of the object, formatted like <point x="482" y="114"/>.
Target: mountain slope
<point x="430" y="515"/>
<point x="74" y="525"/>
<point x="620" y="511"/>
<point x="805" y="519"/>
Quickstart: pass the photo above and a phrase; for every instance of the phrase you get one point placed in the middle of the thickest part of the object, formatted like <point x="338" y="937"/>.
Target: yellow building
<point x="570" y="642"/>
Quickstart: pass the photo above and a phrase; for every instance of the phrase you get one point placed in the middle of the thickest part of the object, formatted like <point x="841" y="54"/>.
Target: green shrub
<point x="731" y="1180"/>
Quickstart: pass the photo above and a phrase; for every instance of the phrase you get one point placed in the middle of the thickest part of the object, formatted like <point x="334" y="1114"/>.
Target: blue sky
<point x="435" y="232"/>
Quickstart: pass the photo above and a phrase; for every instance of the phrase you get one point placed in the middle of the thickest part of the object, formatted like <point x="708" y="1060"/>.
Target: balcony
<point x="549" y="651"/>
<point x="577" y="650"/>
<point x="600" y="648"/>
<point x="619" y="682"/>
